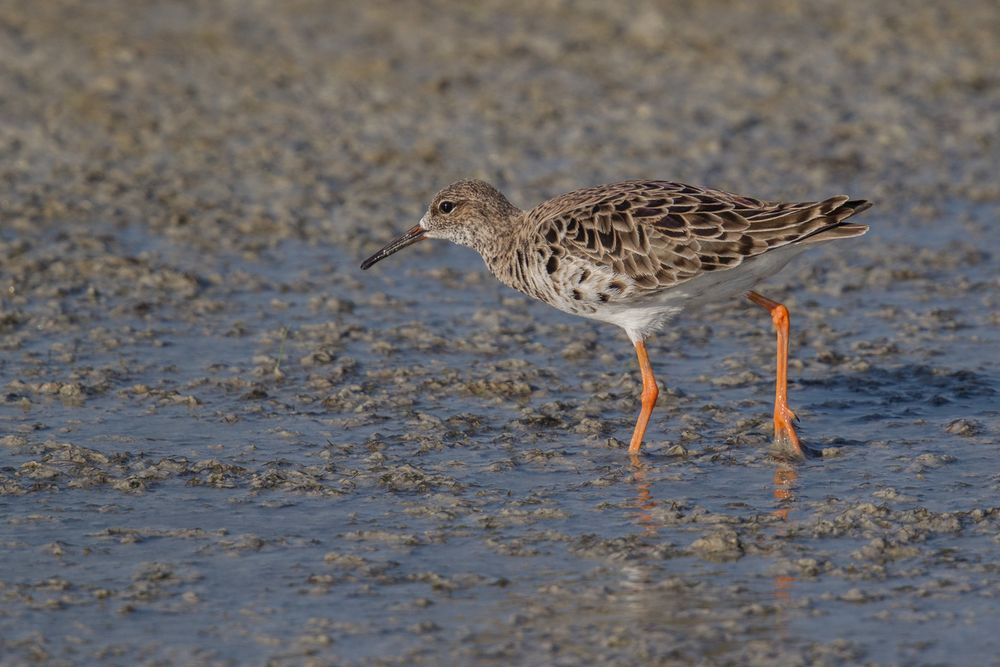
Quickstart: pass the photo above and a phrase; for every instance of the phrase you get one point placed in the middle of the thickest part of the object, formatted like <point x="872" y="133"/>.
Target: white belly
<point x="641" y="318"/>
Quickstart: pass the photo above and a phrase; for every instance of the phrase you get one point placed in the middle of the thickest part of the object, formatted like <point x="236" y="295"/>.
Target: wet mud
<point x="223" y="444"/>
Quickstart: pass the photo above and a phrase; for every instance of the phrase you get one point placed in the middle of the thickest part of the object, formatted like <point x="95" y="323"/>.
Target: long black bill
<point x="412" y="235"/>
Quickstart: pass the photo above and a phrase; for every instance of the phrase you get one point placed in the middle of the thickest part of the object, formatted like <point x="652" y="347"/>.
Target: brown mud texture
<point x="223" y="444"/>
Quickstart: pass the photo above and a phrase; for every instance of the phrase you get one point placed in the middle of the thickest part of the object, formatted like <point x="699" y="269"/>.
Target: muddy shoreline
<point x="223" y="444"/>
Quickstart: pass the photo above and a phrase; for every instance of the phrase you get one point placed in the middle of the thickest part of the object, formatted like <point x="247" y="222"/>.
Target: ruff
<point x="637" y="253"/>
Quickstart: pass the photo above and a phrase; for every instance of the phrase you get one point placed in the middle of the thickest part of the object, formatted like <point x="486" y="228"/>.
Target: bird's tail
<point x="832" y="225"/>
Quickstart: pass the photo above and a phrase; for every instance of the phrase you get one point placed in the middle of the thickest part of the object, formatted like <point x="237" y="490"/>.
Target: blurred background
<point x="220" y="443"/>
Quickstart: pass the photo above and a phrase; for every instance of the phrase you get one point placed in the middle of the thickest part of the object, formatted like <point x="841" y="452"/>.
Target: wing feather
<point x="653" y="235"/>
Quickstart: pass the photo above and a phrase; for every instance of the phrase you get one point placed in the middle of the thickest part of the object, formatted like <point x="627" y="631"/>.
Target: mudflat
<point x="223" y="444"/>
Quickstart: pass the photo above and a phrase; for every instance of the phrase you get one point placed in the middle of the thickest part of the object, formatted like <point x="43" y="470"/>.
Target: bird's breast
<point x="569" y="284"/>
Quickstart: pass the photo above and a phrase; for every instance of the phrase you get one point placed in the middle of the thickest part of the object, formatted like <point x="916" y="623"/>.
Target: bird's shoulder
<point x="655" y="234"/>
<point x="645" y="199"/>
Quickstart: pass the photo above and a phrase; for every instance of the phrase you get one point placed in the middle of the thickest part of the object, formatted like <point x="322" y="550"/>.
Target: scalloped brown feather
<point x="654" y="235"/>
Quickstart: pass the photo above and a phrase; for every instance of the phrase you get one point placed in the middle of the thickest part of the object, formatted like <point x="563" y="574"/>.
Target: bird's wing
<point x="657" y="234"/>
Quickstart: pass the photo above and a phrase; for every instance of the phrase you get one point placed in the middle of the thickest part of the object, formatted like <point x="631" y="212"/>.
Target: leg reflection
<point x="785" y="479"/>
<point x="644" y="500"/>
<point x="784" y="490"/>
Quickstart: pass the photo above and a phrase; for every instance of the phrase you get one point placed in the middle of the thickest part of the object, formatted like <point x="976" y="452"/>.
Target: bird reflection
<point x="785" y="478"/>
<point x="784" y="484"/>
<point x="644" y="500"/>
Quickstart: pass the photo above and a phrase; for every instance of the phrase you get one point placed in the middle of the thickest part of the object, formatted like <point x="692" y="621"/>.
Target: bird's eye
<point x="446" y="206"/>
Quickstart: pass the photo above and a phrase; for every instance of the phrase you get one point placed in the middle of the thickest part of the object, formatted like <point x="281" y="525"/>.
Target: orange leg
<point x="649" y="394"/>
<point x="784" y="432"/>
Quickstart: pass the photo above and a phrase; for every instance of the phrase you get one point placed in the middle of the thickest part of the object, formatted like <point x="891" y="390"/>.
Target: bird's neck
<point x="499" y="244"/>
<point x="505" y="251"/>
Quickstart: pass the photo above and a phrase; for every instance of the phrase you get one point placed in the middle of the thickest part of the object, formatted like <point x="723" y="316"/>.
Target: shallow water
<point x="222" y="443"/>
<point x="427" y="512"/>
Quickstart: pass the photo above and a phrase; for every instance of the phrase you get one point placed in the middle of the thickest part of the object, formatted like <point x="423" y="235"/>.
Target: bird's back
<point x="590" y="250"/>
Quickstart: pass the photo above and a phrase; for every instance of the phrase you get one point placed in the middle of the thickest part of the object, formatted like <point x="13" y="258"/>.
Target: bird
<point x="638" y="253"/>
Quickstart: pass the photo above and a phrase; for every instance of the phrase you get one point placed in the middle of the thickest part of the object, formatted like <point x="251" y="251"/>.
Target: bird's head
<point x="471" y="213"/>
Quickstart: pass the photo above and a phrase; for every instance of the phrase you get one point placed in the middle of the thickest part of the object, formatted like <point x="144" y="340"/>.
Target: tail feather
<point x="842" y="231"/>
<point x="809" y="222"/>
<point x="858" y="205"/>
<point x="837" y="228"/>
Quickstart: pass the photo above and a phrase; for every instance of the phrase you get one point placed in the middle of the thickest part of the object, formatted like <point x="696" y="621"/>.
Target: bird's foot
<point x="786" y="440"/>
